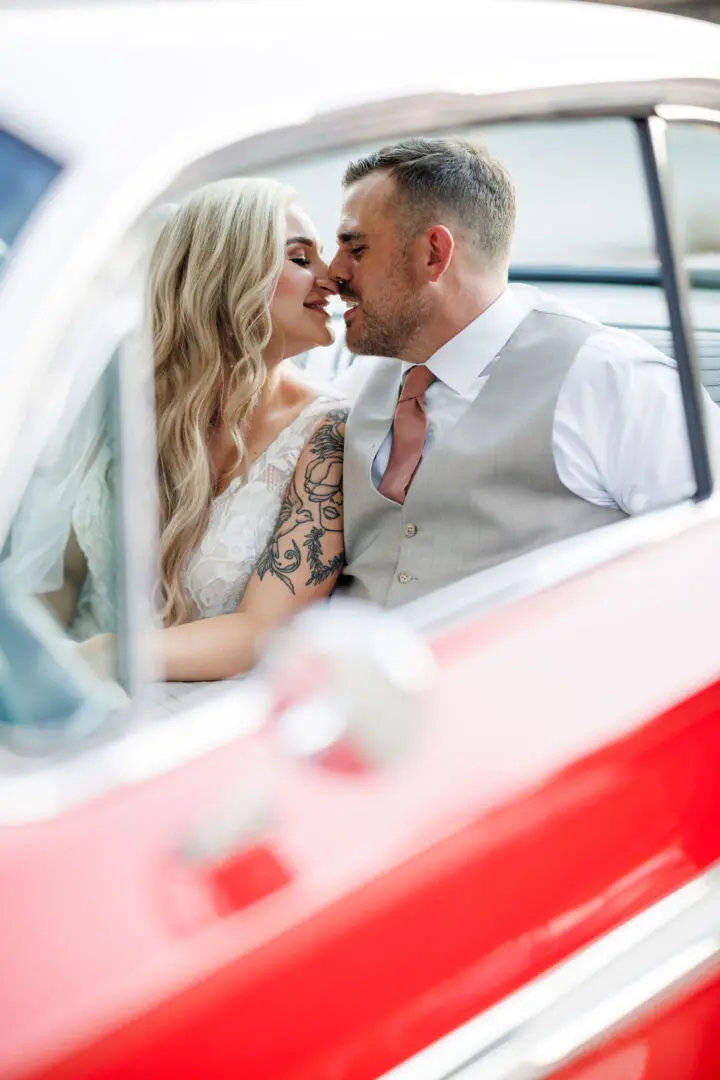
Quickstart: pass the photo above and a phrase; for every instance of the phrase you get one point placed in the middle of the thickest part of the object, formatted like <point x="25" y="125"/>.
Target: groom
<point x="505" y="420"/>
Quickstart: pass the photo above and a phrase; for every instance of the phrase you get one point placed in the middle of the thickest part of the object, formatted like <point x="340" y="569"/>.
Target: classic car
<point x="474" y="837"/>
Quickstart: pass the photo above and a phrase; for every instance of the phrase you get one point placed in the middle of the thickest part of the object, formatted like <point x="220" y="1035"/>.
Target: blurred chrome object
<point x="348" y="681"/>
<point x="231" y="854"/>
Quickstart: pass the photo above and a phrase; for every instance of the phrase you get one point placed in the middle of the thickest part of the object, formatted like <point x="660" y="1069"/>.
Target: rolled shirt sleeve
<point x="619" y="432"/>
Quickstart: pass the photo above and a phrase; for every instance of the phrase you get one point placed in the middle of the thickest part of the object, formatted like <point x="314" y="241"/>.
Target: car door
<point x="240" y="906"/>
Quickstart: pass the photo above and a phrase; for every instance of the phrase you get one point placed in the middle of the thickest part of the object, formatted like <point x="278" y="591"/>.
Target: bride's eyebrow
<point x="303" y="240"/>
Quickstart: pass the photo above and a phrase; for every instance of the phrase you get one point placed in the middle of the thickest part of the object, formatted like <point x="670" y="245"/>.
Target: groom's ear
<point x="439" y="247"/>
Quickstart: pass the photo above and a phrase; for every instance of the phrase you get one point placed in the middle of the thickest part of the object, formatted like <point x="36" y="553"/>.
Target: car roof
<point x="117" y="78"/>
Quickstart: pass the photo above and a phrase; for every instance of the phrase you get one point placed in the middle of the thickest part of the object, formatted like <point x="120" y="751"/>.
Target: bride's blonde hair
<point x="213" y="274"/>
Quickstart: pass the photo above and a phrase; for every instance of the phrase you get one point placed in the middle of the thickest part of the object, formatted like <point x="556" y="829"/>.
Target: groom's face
<point x="374" y="270"/>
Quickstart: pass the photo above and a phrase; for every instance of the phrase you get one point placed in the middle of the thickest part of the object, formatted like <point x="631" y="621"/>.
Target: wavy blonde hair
<point x="213" y="274"/>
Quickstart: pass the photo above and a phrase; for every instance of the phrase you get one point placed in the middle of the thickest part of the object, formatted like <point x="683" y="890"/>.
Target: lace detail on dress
<point x="243" y="517"/>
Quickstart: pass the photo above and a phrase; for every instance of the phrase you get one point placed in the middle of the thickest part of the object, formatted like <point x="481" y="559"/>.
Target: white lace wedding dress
<point x="241" y="521"/>
<point x="243" y="517"/>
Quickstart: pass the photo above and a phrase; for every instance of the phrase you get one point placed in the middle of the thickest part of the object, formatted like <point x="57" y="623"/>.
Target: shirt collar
<point x="464" y="358"/>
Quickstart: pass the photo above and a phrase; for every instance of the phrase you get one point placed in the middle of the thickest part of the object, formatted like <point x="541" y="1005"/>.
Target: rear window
<point x="25" y="176"/>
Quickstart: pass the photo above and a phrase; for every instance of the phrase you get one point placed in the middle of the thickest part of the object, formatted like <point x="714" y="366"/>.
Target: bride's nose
<point x="324" y="281"/>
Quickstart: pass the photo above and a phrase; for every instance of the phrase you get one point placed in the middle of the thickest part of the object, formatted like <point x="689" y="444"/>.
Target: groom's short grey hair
<point x="453" y="176"/>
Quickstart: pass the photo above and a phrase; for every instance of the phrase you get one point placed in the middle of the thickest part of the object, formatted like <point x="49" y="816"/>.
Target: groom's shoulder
<point x="544" y="303"/>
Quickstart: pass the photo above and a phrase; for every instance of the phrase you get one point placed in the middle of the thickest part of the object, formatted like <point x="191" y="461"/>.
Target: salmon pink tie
<point x="408" y="435"/>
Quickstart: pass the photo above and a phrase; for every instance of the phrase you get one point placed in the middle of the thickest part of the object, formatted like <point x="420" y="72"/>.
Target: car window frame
<point x="108" y="333"/>
<point x="497" y="587"/>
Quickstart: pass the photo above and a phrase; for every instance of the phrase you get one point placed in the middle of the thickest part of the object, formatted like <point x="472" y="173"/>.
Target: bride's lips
<point x="320" y="308"/>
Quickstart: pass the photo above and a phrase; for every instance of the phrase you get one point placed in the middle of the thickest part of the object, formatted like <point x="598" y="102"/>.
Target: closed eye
<point x="300" y="260"/>
<point x="358" y="250"/>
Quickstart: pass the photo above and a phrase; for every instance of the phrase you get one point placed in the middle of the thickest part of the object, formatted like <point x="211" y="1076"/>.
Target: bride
<point x="249" y="453"/>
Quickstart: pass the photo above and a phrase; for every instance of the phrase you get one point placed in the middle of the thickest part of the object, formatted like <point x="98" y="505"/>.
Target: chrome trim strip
<point x="688" y="114"/>
<point x="163" y="740"/>
<point x="419" y="113"/>
<point x="646" y="962"/>
<point x="138" y="497"/>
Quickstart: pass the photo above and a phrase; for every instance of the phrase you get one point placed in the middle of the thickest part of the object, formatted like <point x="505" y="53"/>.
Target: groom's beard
<point x="388" y="332"/>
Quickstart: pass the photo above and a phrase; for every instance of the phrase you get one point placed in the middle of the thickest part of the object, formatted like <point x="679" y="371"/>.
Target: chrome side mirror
<point x="348" y="681"/>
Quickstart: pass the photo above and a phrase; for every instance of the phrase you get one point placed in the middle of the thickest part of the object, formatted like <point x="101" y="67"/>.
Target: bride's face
<point x="299" y="313"/>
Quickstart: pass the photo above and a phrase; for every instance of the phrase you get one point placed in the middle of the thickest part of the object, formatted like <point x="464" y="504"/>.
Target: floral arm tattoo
<point x="317" y="510"/>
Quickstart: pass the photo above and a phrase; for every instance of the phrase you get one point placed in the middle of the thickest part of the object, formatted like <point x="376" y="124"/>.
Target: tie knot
<point x="417" y="380"/>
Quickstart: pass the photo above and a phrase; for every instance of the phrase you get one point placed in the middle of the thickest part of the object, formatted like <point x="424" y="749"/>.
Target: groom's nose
<point x="339" y="269"/>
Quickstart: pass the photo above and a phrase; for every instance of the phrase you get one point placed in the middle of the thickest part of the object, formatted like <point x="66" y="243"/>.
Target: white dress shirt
<point x="619" y="431"/>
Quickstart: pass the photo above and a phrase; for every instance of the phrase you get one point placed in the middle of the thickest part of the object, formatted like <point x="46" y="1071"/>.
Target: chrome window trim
<point x="649" y="961"/>
<point x="347" y="127"/>
<point x="688" y="114"/>
<point x="137" y="500"/>
<point x="162" y="739"/>
<point x="652" y="136"/>
<point x="653" y="152"/>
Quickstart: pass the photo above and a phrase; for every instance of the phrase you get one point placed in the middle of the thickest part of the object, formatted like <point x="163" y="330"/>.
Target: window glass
<point x="584" y="228"/>
<point x="60" y="576"/>
<point x="25" y="175"/>
<point x="694" y="174"/>
<point x="584" y="231"/>
<point x="581" y="191"/>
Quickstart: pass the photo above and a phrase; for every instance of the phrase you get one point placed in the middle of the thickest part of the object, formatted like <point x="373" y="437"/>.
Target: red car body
<point x="529" y="889"/>
<point x="376" y="914"/>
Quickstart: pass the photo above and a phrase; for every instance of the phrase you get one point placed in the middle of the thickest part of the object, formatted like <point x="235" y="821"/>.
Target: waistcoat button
<point x="404" y="578"/>
<point x="410" y="530"/>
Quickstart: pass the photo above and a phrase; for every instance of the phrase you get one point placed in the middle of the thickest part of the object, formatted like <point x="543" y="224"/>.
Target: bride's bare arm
<point x="63" y="601"/>
<point x="301" y="563"/>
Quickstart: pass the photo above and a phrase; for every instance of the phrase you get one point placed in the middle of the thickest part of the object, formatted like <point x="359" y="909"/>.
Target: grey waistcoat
<point x="488" y="491"/>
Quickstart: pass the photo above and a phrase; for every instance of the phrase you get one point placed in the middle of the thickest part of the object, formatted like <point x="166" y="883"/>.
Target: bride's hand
<point x="100" y="654"/>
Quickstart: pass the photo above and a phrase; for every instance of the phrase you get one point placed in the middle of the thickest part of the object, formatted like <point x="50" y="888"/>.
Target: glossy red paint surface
<point x="565" y="777"/>
<point x="679" y="1042"/>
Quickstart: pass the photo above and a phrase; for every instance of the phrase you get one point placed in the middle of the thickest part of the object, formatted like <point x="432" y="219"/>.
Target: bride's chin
<point x="325" y="339"/>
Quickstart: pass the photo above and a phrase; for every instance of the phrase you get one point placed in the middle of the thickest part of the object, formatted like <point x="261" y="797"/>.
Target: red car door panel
<point x="534" y="814"/>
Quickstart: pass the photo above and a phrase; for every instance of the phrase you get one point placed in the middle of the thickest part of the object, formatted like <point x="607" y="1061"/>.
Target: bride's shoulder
<point x="326" y="419"/>
<point x="323" y="398"/>
<point x="321" y="392"/>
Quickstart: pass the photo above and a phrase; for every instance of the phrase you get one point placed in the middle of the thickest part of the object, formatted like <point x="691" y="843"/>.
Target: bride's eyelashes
<point x="300" y="260"/>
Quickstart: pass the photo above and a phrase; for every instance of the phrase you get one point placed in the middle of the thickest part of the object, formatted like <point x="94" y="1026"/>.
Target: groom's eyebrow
<point x="350" y="237"/>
